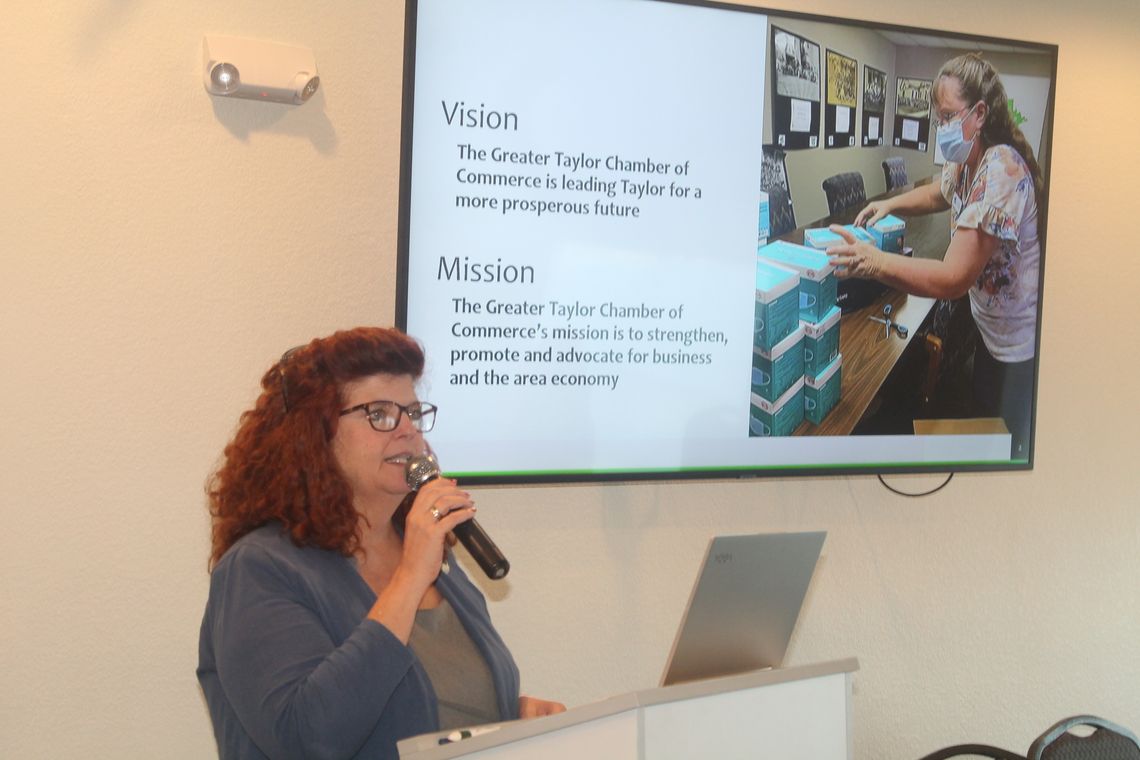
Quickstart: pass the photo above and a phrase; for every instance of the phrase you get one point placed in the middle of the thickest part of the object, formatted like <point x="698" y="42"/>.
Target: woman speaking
<point x="337" y="622"/>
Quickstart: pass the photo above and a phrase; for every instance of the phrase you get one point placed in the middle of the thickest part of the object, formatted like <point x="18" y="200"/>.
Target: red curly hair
<point x="280" y="465"/>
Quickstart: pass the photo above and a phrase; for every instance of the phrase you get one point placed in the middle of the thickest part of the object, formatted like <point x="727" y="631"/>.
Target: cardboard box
<point x="888" y="233"/>
<point x="765" y="227"/>
<point x="854" y="294"/>
<point x="774" y="371"/>
<point x="822" y="392"/>
<point x="821" y="341"/>
<point x="822" y="238"/>
<point x="850" y="294"/>
<point x="779" y="418"/>
<point x="817" y="276"/>
<point x="777" y="312"/>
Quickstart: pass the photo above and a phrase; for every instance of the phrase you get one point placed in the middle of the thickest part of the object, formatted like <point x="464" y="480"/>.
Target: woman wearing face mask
<point x="993" y="186"/>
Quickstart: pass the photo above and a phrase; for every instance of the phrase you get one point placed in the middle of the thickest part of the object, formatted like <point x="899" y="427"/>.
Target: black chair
<point x="774" y="169"/>
<point x="974" y="750"/>
<point x="1108" y="741"/>
<point x="781" y="215"/>
<point x="894" y="171"/>
<point x="774" y="181"/>
<point x="844" y="191"/>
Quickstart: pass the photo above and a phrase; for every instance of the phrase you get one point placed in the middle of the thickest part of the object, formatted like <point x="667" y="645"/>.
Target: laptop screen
<point x="744" y="605"/>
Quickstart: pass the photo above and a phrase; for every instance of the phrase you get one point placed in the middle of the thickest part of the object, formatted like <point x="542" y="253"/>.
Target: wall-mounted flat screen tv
<point x="615" y="225"/>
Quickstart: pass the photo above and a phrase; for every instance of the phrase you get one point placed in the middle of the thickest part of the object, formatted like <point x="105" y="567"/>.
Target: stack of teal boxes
<point x="798" y="376"/>
<point x="817" y="276"/>
<point x="821" y="338"/>
<point x="822" y="362"/>
<point x="777" y="352"/>
<point x="776" y="369"/>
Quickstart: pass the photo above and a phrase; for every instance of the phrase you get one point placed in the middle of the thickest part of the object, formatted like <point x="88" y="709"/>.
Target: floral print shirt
<point x="1000" y="202"/>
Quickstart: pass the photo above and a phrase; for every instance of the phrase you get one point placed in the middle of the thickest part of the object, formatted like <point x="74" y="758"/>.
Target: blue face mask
<point x="953" y="145"/>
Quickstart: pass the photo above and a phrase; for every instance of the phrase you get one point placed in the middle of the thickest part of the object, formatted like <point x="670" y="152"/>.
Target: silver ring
<point x="436" y="514"/>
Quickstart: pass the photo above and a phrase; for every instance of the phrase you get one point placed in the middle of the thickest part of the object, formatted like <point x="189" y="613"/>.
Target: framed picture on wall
<point x="842" y="101"/>
<point x="796" y="94"/>
<point x="912" y="113"/>
<point x="874" y="106"/>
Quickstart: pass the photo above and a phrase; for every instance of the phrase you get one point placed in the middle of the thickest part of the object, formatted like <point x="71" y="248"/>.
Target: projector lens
<point x="310" y="87"/>
<point x="224" y="77"/>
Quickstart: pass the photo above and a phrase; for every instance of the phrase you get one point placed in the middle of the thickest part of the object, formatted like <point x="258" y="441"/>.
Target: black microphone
<point x="423" y="469"/>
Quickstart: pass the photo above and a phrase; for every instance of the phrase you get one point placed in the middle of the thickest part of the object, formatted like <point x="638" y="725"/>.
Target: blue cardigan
<point x="292" y="668"/>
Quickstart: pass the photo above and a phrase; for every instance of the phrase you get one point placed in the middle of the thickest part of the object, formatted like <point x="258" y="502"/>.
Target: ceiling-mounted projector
<point x="238" y="67"/>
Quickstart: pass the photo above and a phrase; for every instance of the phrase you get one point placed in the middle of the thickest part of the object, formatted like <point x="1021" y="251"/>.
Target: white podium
<point x="801" y="713"/>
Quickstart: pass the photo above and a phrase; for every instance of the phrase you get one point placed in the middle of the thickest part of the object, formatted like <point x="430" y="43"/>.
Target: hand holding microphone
<point x="424" y="468"/>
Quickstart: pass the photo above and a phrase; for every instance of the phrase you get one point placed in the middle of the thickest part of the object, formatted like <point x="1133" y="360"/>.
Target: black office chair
<point x="774" y="169"/>
<point x="844" y="191"/>
<point x="774" y="181"/>
<point x="781" y="215"/>
<point x="1108" y="741"/>
<point x="974" y="750"/>
<point x="894" y="171"/>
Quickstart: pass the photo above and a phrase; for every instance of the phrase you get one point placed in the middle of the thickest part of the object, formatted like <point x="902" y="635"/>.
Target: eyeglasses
<point x="942" y="119"/>
<point x="384" y="416"/>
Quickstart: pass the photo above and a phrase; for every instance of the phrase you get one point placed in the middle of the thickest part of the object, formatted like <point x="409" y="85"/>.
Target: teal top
<point x="291" y="666"/>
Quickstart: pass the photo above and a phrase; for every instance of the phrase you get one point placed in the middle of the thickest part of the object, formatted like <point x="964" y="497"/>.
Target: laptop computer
<point x="744" y="605"/>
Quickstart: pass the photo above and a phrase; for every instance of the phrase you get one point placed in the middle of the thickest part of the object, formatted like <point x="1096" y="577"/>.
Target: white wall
<point x="159" y="249"/>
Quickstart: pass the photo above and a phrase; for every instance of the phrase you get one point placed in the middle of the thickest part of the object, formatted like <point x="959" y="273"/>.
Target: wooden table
<point x="869" y="356"/>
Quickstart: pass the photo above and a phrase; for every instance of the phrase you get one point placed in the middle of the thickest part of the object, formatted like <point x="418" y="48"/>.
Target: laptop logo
<point x="723" y="558"/>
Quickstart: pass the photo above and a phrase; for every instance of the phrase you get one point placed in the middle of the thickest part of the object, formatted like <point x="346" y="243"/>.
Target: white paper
<point x="801" y="116"/>
<point x="842" y="119"/>
<point x="910" y="130"/>
<point x="873" y="128"/>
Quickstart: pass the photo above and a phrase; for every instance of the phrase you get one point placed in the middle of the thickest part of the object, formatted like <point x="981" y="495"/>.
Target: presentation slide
<point x="582" y="242"/>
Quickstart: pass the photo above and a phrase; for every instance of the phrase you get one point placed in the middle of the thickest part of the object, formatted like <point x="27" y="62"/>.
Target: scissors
<point x="890" y="324"/>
